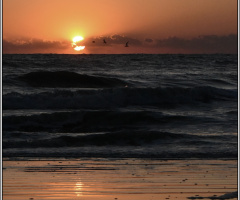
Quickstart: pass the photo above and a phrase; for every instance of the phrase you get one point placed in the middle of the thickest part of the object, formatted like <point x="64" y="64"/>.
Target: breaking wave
<point x="124" y="143"/>
<point x="67" y="79"/>
<point x="118" y="138"/>
<point x="95" y="121"/>
<point x="118" y="97"/>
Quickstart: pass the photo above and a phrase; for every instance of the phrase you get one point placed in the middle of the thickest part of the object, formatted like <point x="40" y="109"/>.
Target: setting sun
<point x="79" y="48"/>
<point x="76" y="40"/>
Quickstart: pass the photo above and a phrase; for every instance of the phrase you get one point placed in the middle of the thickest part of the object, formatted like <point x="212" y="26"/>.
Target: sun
<point x="79" y="48"/>
<point x="75" y="44"/>
<point x="77" y="39"/>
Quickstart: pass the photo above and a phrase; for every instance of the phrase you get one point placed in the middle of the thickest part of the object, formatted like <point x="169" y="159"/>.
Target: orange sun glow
<point x="75" y="43"/>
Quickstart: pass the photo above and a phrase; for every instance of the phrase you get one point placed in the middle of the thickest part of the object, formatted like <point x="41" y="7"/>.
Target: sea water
<point x="138" y="105"/>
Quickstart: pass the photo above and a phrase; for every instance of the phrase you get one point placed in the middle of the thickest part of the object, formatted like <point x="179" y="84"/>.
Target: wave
<point x="225" y="62"/>
<point x="118" y="138"/>
<point x="67" y="79"/>
<point x="124" y="143"/>
<point x="95" y="121"/>
<point x="106" y="145"/>
<point x="118" y="97"/>
<point x="219" y="82"/>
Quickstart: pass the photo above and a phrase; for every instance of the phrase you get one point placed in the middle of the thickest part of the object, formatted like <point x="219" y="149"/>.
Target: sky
<point x="149" y="26"/>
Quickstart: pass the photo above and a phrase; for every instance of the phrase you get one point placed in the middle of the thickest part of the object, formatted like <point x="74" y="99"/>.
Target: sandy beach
<point x="123" y="179"/>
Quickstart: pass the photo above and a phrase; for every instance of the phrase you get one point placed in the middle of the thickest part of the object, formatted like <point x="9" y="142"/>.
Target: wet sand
<point x="124" y="179"/>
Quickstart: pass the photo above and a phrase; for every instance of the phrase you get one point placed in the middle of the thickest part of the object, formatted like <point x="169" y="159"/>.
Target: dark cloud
<point x="202" y="44"/>
<point x="148" y="40"/>
<point x="33" y="45"/>
<point x="111" y="40"/>
<point x="118" y="39"/>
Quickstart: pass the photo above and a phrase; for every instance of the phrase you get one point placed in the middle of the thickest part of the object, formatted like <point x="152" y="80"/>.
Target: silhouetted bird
<point x="104" y="41"/>
<point x="93" y="41"/>
<point x="126" y="45"/>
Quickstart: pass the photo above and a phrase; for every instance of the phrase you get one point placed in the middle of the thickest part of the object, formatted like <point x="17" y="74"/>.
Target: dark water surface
<point x="148" y="106"/>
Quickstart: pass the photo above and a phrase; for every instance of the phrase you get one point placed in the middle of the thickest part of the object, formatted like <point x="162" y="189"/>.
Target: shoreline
<point x="56" y="158"/>
<point x="119" y="178"/>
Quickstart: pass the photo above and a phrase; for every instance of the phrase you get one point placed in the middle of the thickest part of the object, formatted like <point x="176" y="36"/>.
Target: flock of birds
<point x="104" y="41"/>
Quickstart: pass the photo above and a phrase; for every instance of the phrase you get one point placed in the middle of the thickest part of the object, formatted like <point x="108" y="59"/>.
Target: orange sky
<point x="150" y="26"/>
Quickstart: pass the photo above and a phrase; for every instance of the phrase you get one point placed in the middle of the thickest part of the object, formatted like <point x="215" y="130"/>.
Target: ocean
<point x="120" y="106"/>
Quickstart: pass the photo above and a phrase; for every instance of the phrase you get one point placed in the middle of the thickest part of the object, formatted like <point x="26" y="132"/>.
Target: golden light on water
<point x="78" y="188"/>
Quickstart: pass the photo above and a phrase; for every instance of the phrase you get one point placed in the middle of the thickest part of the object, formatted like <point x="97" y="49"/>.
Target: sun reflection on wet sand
<point x="118" y="179"/>
<point x="78" y="188"/>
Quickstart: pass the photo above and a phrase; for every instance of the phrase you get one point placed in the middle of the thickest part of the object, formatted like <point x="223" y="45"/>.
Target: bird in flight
<point x="104" y="41"/>
<point x="126" y="45"/>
